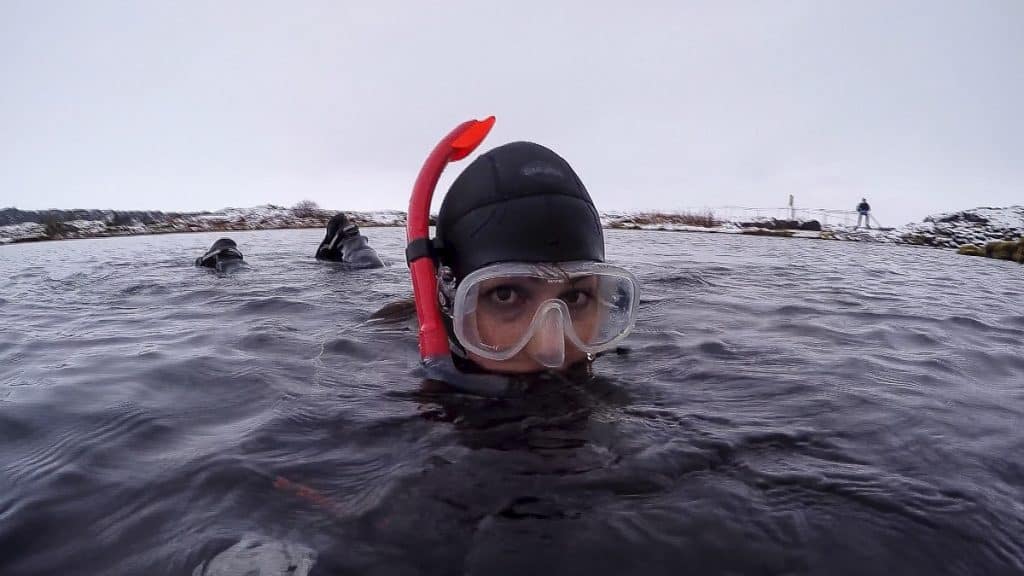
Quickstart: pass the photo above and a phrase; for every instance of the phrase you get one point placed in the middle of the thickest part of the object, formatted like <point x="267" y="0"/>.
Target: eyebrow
<point x="534" y="281"/>
<point x="569" y="281"/>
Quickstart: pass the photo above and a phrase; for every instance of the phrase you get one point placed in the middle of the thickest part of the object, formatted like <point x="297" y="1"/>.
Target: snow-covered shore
<point x="977" y="226"/>
<point x="49" y="225"/>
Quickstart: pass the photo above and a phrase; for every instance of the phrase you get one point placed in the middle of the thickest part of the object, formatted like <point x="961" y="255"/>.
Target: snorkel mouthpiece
<point x="458" y="144"/>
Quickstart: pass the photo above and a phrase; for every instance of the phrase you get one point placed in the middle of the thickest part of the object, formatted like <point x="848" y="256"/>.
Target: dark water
<point x="788" y="407"/>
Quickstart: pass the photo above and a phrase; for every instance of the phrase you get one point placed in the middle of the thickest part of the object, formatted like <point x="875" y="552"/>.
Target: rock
<point x="787" y="225"/>
<point x="1002" y="250"/>
<point x="758" y="232"/>
<point x="965" y="216"/>
<point x="971" y="250"/>
<point x="919" y="240"/>
<point x="765" y="224"/>
<point x="776" y="224"/>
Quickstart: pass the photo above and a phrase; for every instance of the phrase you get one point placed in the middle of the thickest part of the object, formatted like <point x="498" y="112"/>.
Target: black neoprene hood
<point x="519" y="202"/>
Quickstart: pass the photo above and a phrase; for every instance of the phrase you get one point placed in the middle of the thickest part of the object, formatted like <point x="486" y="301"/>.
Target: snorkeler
<point x="514" y="283"/>
<point x="344" y="243"/>
<point x="520" y="284"/>
<point x="223" y="256"/>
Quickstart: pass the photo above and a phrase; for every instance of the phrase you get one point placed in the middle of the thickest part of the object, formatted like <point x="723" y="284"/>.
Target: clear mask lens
<point x="502" y="309"/>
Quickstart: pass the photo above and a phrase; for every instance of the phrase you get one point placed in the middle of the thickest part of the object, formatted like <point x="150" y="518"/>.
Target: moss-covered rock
<point x="1002" y="250"/>
<point x="971" y="250"/>
<point x="1018" y="254"/>
<point x="54" y="227"/>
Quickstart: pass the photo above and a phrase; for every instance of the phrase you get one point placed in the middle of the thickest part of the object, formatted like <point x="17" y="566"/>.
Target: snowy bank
<point x="978" y="226"/>
<point x="61" y="224"/>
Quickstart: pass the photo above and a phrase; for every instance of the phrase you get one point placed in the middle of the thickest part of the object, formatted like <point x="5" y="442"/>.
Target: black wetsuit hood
<point x="223" y="250"/>
<point x="519" y="202"/>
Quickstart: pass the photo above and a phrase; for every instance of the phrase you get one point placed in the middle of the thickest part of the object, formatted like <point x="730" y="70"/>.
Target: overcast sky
<point x="658" y="105"/>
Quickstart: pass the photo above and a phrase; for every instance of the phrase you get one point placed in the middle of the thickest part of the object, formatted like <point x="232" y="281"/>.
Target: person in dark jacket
<point x="864" y="211"/>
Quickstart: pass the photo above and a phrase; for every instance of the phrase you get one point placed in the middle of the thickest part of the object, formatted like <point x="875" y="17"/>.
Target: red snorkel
<point x="458" y="144"/>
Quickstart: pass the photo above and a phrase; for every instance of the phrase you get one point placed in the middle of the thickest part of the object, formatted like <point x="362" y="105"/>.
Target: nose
<point x="548" y="343"/>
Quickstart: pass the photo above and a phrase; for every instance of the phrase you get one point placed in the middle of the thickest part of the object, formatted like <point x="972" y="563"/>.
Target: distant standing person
<point x="864" y="211"/>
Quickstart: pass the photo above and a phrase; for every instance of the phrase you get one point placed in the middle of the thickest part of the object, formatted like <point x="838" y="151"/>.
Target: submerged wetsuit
<point x="223" y="256"/>
<point x="344" y="243"/>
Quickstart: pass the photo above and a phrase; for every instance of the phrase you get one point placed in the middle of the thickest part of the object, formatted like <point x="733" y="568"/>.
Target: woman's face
<point x="507" y="306"/>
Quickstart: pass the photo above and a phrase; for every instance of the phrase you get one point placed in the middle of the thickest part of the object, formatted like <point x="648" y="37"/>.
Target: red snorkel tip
<point x="470" y="138"/>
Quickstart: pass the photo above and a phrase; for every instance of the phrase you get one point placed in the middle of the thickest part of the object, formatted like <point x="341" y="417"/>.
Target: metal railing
<point x="826" y="216"/>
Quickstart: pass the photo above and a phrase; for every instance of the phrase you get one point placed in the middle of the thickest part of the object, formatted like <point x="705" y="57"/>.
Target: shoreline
<point x="978" y="231"/>
<point x="35" y="240"/>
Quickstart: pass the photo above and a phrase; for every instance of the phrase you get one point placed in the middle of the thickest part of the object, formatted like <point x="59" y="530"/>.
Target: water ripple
<point x="783" y="407"/>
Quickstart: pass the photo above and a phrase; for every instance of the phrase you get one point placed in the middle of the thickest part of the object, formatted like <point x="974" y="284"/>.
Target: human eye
<point x="576" y="298"/>
<point x="504" y="295"/>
